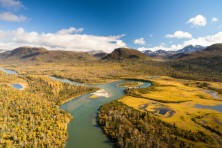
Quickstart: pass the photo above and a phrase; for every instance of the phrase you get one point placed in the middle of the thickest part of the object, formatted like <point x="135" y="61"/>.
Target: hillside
<point x="24" y="52"/>
<point x="42" y="54"/>
<point x="211" y="57"/>
<point x="200" y="64"/>
<point x="125" y="53"/>
<point x="176" y="56"/>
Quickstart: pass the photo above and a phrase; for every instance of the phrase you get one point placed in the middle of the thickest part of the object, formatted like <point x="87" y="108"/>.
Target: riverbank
<point x="70" y="99"/>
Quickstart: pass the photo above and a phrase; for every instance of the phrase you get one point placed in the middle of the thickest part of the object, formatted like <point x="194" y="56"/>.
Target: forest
<point x="128" y="127"/>
<point x="31" y="117"/>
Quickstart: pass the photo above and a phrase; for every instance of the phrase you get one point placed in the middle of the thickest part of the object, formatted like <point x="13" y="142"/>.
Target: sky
<point x="85" y="25"/>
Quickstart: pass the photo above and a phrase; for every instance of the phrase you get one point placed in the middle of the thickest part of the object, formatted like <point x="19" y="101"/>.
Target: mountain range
<point x="41" y="54"/>
<point x="2" y="50"/>
<point x="173" y="54"/>
<point x="208" y="52"/>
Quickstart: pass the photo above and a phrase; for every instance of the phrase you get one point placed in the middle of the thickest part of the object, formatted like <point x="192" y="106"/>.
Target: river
<point x="83" y="130"/>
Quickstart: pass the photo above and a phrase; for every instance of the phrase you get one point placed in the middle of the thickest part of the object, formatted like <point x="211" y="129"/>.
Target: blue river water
<point x="83" y="130"/>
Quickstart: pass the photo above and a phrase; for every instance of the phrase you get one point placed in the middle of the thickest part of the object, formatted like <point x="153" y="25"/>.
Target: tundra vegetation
<point x="99" y="71"/>
<point x="131" y="120"/>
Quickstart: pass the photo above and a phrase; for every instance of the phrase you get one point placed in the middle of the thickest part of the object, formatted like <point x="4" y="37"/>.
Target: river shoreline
<point x="74" y="97"/>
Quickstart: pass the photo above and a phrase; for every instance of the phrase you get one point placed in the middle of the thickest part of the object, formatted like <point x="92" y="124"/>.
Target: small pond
<point x="217" y="107"/>
<point x="17" y="86"/>
<point x="12" y="72"/>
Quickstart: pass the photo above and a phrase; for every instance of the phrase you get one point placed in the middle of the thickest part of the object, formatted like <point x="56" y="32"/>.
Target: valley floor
<point x="183" y="106"/>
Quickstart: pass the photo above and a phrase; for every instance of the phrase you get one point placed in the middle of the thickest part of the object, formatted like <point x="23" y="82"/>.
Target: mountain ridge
<point x="27" y="53"/>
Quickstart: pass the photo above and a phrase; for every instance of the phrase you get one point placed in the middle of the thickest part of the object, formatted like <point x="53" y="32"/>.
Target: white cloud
<point x="70" y="30"/>
<point x="198" y="21"/>
<point x="140" y="41"/>
<point x="14" y="4"/>
<point x="10" y="17"/>
<point x="179" y="35"/>
<point x="203" y="41"/>
<point x="214" y="20"/>
<point x="61" y="40"/>
<point x="143" y="49"/>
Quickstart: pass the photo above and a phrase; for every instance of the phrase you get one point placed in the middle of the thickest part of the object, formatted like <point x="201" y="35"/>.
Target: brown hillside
<point x="125" y="53"/>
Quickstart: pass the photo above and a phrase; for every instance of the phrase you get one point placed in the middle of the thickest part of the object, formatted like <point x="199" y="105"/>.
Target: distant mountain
<point x="125" y="53"/>
<point x="2" y="50"/>
<point x="173" y="54"/>
<point x="147" y="52"/>
<point x="97" y="53"/>
<point x="190" y="48"/>
<point x="209" y="52"/>
<point x="42" y="54"/>
<point x="158" y="53"/>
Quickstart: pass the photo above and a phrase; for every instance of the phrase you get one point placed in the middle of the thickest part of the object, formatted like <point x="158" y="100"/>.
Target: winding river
<point x="83" y="130"/>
